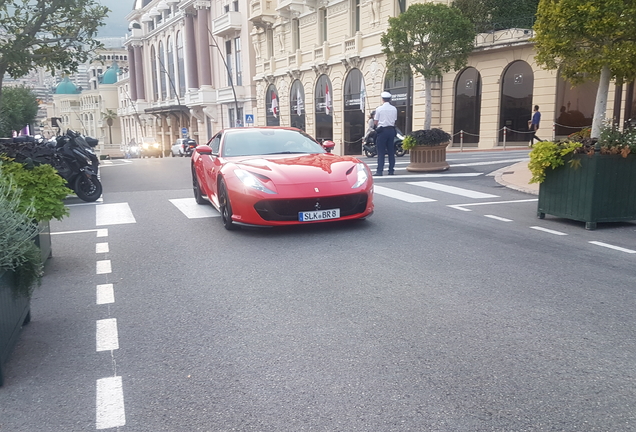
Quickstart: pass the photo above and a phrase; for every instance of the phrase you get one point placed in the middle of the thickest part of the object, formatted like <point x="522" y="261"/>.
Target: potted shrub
<point x="30" y="196"/>
<point x="427" y="148"/>
<point x="585" y="180"/>
<point x="20" y="265"/>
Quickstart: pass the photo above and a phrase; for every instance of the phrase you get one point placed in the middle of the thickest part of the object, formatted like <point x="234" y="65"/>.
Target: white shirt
<point x="385" y="115"/>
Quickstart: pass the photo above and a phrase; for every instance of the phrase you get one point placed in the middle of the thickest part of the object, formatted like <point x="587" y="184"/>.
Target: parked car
<point x="177" y="147"/>
<point x="188" y="147"/>
<point x="272" y="176"/>
<point x="149" y="147"/>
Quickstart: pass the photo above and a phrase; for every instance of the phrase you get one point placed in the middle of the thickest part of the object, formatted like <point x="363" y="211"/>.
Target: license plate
<point x="317" y="215"/>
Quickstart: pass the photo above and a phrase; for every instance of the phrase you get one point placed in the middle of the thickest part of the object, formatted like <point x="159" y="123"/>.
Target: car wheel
<point x="198" y="196"/>
<point x="172" y="154"/>
<point x="226" y="208"/>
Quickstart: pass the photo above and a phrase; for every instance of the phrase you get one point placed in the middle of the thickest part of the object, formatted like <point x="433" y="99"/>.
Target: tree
<point x="430" y="39"/>
<point x="52" y="34"/>
<point x="588" y="39"/>
<point x="18" y="108"/>
<point x="109" y="115"/>
<point x="490" y="15"/>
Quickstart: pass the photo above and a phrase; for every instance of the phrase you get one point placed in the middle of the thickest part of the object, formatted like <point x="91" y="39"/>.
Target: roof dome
<point x="66" y="87"/>
<point x="110" y="76"/>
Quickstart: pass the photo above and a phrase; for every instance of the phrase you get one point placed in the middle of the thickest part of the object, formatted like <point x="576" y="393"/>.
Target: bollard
<point x="461" y="140"/>
<point x="504" y="137"/>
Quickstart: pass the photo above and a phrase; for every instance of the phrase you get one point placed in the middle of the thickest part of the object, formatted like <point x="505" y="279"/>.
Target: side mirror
<point x="328" y="145"/>
<point x="203" y="149"/>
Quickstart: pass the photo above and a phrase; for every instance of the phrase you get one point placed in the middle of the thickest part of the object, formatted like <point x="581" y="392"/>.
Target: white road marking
<point x="499" y="218"/>
<point x="190" y="208"/>
<point x="402" y="196"/>
<point x="105" y="294"/>
<point x="103" y="267"/>
<point x="102" y="232"/>
<point x="101" y="247"/>
<point x="426" y="176"/>
<point x="114" y="214"/>
<point x="107" y="338"/>
<point x="490" y="162"/>
<point x="452" y="190"/>
<point x="98" y="201"/>
<point x="618" y="248"/>
<point x="538" y="228"/>
<point x="110" y="403"/>
<point x="98" y="231"/>
<point x="461" y="206"/>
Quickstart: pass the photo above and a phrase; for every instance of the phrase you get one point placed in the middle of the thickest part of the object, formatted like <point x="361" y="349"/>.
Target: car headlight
<point x="362" y="175"/>
<point x="155" y="145"/>
<point x="145" y="146"/>
<point x="250" y="180"/>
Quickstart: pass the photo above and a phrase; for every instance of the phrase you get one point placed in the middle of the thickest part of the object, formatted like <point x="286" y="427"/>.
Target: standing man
<point x="385" y="118"/>
<point x="534" y="125"/>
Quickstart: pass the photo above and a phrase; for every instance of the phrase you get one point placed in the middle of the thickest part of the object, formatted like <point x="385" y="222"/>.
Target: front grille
<point x="287" y="210"/>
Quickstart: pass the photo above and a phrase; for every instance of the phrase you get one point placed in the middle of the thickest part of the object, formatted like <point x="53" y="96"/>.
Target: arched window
<point x="467" y="106"/>
<point x="297" y="105"/>
<point x="401" y="88"/>
<point x="576" y="107"/>
<point x="323" y="103"/>
<point x="171" y="76"/>
<point x="516" y="102"/>
<point x="155" y="67"/>
<point x="272" y="106"/>
<point x="181" y="65"/>
<point x="162" y="71"/>
<point x="354" y="101"/>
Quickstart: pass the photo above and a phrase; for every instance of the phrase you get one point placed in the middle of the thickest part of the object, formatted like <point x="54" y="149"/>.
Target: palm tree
<point x="109" y="115"/>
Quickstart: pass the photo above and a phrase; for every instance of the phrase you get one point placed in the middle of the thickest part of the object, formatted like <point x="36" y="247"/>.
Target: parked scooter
<point x="70" y="154"/>
<point x="188" y="147"/>
<point x="369" y="149"/>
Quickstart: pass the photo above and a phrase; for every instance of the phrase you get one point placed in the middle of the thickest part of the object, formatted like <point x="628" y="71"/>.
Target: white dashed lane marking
<point x="499" y="218"/>
<point x="609" y="246"/>
<point x="113" y="214"/>
<point x="549" y="231"/>
<point x="110" y="403"/>
<point x="107" y="338"/>
<point x="101" y="247"/>
<point x="105" y="294"/>
<point x="103" y="267"/>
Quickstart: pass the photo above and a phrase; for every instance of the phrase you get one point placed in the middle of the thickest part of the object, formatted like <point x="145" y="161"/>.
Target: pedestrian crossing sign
<point x="249" y="118"/>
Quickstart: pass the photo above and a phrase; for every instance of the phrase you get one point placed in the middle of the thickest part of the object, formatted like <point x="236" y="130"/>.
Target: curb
<point x="503" y="177"/>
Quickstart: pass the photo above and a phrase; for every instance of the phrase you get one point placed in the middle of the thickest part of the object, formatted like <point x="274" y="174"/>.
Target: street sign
<point x="184" y="131"/>
<point x="249" y="118"/>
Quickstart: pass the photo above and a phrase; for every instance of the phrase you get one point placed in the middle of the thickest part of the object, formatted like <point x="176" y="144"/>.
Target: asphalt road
<point x="454" y="313"/>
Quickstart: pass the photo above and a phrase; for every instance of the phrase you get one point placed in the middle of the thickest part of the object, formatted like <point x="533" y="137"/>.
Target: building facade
<point x="190" y="70"/>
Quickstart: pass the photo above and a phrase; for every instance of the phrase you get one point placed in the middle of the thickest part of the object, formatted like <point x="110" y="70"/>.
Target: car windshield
<point x="267" y="142"/>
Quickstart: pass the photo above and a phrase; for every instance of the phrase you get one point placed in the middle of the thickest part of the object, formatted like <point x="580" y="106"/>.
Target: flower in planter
<point x="425" y="137"/>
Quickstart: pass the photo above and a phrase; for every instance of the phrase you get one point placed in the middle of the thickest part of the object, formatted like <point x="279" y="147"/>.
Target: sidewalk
<point x="517" y="177"/>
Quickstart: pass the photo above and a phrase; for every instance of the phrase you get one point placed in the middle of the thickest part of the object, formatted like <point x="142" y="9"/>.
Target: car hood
<point x="297" y="169"/>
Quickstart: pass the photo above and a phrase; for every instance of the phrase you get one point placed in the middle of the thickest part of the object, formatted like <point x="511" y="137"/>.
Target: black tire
<point x="198" y="196"/>
<point x="88" y="189"/>
<point x="368" y="154"/>
<point x="226" y="208"/>
<point x="399" y="151"/>
<point x="172" y="154"/>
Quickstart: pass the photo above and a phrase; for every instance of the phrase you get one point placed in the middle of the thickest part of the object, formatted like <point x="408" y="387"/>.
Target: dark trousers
<point x="534" y="136"/>
<point x="385" y="143"/>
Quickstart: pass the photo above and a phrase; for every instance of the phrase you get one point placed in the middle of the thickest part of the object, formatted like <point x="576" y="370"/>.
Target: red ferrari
<point x="272" y="176"/>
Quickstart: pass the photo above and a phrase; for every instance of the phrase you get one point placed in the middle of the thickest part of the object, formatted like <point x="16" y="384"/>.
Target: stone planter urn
<point x="425" y="158"/>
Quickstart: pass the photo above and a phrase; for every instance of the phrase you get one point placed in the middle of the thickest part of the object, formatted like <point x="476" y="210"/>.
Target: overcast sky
<point x="116" y="24"/>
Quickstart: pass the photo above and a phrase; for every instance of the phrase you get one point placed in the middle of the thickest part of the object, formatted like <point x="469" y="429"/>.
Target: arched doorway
<point x="272" y="115"/>
<point x="297" y="105"/>
<point x="324" y="109"/>
<point x="401" y="88"/>
<point x="467" y="107"/>
<point x="516" y="102"/>
<point x="575" y="107"/>
<point x="354" y="125"/>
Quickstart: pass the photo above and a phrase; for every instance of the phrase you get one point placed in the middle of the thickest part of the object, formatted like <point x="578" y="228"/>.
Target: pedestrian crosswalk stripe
<point x="190" y="208"/>
<point x="452" y="190"/>
<point x="403" y="196"/>
<point x="114" y="214"/>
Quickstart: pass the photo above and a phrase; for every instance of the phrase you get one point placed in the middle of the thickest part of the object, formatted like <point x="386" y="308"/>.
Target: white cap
<point x="385" y="95"/>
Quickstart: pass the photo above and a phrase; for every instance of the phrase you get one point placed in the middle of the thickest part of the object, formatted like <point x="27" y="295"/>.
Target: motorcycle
<point x="70" y="154"/>
<point x="369" y="149"/>
<point x="188" y="147"/>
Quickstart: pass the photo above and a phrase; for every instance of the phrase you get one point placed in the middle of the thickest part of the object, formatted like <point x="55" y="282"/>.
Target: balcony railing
<point x="227" y="24"/>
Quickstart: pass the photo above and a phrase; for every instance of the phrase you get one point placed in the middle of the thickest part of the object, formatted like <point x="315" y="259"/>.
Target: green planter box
<point x="43" y="241"/>
<point x="601" y="189"/>
<point x="14" y="313"/>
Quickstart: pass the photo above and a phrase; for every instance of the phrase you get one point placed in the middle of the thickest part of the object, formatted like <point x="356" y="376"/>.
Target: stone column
<point x="192" y="79"/>
<point x="139" y="75"/>
<point x="205" y="69"/>
<point x="132" y="74"/>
